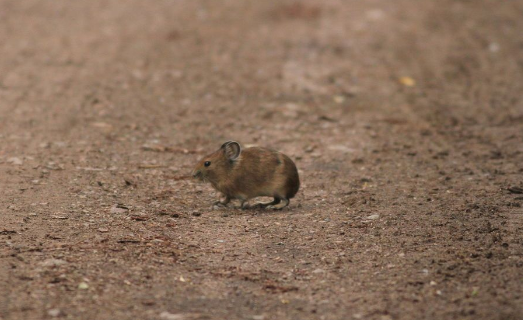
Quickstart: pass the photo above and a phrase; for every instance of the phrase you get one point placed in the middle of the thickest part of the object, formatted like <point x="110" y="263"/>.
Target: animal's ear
<point x="225" y="144"/>
<point x="232" y="150"/>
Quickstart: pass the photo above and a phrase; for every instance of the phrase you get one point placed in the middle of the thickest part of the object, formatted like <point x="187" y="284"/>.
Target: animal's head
<point x="215" y="167"/>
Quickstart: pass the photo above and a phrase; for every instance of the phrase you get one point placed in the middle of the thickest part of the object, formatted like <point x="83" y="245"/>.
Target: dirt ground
<point x="405" y="119"/>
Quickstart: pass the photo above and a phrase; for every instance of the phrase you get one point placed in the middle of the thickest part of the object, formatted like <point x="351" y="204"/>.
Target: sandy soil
<point x="405" y="119"/>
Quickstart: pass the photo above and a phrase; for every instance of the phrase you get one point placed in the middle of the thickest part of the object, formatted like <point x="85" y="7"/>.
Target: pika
<point x="246" y="173"/>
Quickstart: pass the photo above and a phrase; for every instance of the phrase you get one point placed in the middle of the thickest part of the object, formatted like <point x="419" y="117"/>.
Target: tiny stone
<point x="118" y="209"/>
<point x="339" y="99"/>
<point x="83" y="286"/>
<point x="196" y="213"/>
<point x="373" y="217"/>
<point x="493" y="47"/>
<point x="54" y="313"/>
<point x="170" y="316"/>
<point x="16" y="161"/>
<point x="53" y="262"/>
<point x="55" y="216"/>
<point x="341" y="148"/>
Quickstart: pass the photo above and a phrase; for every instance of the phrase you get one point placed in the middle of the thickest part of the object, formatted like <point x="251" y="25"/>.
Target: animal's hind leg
<point x="279" y="206"/>
<point x="266" y="204"/>
<point x="244" y="205"/>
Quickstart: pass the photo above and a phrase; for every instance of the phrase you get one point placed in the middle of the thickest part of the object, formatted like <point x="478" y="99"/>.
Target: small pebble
<point x="493" y="47"/>
<point x="196" y="213"/>
<point x="83" y="286"/>
<point x="119" y="209"/>
<point x="53" y="262"/>
<point x="54" y="313"/>
<point x="171" y="316"/>
<point x="16" y="161"/>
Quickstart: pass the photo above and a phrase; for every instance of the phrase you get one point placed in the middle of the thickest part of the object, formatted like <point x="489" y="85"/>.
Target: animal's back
<point x="265" y="172"/>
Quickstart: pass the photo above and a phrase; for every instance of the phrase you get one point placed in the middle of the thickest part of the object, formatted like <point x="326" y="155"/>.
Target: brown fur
<point x="255" y="172"/>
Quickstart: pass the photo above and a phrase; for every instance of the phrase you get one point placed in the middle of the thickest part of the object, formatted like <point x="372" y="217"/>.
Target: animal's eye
<point x="207" y="163"/>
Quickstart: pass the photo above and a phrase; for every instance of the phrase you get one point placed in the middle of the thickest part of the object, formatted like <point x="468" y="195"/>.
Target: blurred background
<point x="404" y="117"/>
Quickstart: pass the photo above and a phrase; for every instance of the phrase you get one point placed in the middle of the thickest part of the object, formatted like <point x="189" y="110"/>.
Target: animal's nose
<point x="195" y="173"/>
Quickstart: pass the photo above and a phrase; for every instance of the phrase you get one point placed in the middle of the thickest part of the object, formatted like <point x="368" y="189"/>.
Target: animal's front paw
<point x="219" y="205"/>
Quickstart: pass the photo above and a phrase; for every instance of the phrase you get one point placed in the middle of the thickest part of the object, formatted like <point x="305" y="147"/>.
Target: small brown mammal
<point x="247" y="173"/>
